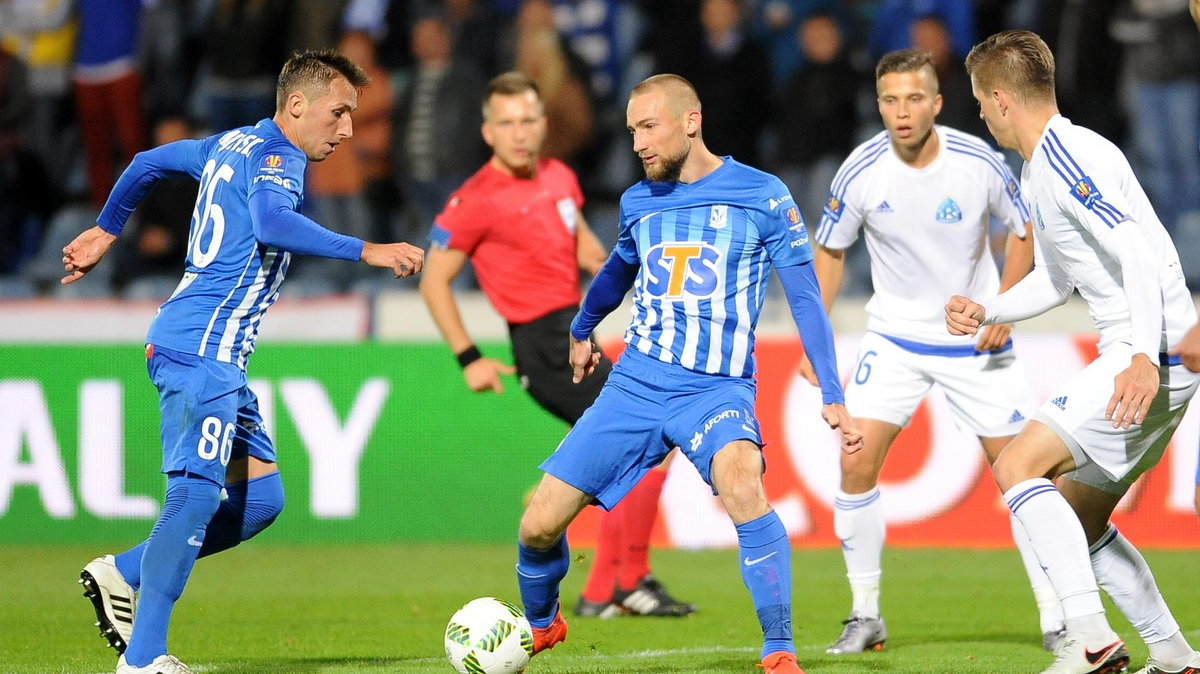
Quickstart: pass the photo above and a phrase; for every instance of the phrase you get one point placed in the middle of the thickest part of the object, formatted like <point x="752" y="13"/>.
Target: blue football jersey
<point x="705" y="252"/>
<point x="231" y="279"/>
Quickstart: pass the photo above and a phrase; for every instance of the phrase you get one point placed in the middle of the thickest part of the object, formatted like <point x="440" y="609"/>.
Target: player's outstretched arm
<point x="442" y="266"/>
<point x="836" y="415"/>
<point x="85" y="252"/>
<point x="404" y="259"/>
<point x="829" y="266"/>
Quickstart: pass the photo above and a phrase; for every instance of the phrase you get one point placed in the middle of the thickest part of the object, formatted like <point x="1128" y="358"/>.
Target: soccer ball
<point x="489" y="636"/>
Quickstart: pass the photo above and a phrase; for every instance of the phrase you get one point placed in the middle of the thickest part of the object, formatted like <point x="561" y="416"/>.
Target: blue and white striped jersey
<point x="704" y="252"/>
<point x="231" y="279"/>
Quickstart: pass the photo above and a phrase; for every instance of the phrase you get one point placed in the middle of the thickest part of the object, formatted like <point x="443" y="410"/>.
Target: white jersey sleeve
<point x="844" y="211"/>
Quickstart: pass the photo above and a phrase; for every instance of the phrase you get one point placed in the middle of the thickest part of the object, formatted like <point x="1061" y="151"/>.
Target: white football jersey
<point x="926" y="229"/>
<point x="1079" y="185"/>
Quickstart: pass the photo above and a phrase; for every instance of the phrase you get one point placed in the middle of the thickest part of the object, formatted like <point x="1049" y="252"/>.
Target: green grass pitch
<point x="382" y="608"/>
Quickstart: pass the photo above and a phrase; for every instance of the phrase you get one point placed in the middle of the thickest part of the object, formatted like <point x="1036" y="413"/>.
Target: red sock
<point x="603" y="577"/>
<point x="638" y="509"/>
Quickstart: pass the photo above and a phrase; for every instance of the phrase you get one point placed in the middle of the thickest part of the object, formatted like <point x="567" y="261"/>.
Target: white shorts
<point x="1108" y="458"/>
<point x="988" y="393"/>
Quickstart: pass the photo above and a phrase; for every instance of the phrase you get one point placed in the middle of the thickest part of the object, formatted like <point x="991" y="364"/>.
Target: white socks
<point x="858" y="522"/>
<point x="1123" y="573"/>
<point x="1060" y="544"/>
<point x="1050" y="613"/>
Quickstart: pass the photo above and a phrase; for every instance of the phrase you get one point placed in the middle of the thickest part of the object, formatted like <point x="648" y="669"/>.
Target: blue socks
<point x="538" y="574"/>
<point x="167" y="561"/>
<point x="765" y="557"/>
<point x="251" y="507"/>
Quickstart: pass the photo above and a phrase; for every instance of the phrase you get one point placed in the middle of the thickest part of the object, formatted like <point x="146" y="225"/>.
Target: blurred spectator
<point x="150" y="262"/>
<point x="313" y="24"/>
<point x="24" y="196"/>
<point x="816" y="115"/>
<point x="1087" y="63"/>
<point x="592" y="29"/>
<point x="959" y="109"/>
<point x="336" y="188"/>
<point x="475" y="29"/>
<point x="165" y="59"/>
<point x="730" y="72"/>
<point x="891" y="28"/>
<point x="436" y="135"/>
<point x="539" y="52"/>
<point x="1163" y="68"/>
<point x="243" y="53"/>
<point x="371" y="147"/>
<point x="777" y="24"/>
<point x="108" y="89"/>
<point x="42" y="33"/>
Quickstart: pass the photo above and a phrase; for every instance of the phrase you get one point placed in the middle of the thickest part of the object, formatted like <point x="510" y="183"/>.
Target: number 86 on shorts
<point x="215" y="442"/>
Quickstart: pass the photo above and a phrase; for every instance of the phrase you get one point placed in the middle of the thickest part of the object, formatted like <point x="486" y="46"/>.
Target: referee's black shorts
<point x="540" y="348"/>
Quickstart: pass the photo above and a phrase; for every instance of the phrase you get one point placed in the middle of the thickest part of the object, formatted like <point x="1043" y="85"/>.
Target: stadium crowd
<point x="787" y="85"/>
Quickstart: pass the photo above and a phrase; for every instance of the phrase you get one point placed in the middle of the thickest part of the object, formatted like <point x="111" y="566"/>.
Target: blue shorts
<point x="209" y="414"/>
<point x="644" y="410"/>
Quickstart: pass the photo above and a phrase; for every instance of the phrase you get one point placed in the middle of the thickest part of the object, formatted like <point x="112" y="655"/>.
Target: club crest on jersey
<point x="1085" y="191"/>
<point x="834" y="208"/>
<point x="718" y="216"/>
<point x="679" y="270"/>
<point x="948" y="212"/>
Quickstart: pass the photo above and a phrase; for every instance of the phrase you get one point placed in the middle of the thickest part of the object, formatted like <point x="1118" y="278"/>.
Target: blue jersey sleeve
<point x="604" y="294"/>
<point x="279" y="167"/>
<point x="626" y="245"/>
<point x="277" y="224"/>
<point x="184" y="157"/>
<point x="782" y="229"/>
<point x="804" y="297"/>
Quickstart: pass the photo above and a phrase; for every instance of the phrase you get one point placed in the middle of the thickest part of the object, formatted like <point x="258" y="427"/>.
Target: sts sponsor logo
<point x="680" y="270"/>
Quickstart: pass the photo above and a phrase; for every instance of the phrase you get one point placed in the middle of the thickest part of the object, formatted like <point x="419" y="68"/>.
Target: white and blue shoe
<point x="114" y="600"/>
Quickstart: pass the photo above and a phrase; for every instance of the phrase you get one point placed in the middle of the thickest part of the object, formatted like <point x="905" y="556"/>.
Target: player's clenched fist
<point x="963" y="317"/>
<point x="404" y="259"/>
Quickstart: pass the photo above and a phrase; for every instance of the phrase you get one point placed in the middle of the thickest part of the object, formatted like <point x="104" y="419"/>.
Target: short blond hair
<point x="1016" y="60"/>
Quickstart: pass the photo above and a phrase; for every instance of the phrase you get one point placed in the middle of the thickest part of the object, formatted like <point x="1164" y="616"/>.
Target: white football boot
<point x="1080" y="655"/>
<point x="163" y="664"/>
<point x="114" y="600"/>
<point x="859" y="634"/>
<point x="1192" y="666"/>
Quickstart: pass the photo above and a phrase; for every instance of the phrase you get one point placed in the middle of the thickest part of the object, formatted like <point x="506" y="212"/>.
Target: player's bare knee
<point x="536" y="532"/>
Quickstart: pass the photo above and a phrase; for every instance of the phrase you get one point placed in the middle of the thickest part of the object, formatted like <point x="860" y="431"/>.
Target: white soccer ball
<point x="489" y="636"/>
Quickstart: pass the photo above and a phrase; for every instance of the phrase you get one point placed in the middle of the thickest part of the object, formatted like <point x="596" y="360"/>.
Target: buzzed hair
<point x="681" y="95"/>
<point x="511" y="83"/>
<point x="1016" y="60"/>
<point x="314" y="71"/>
